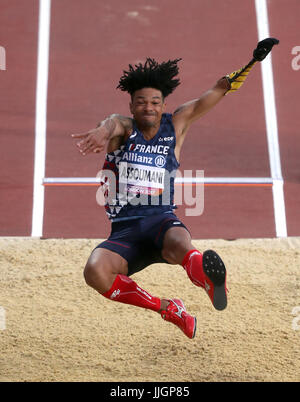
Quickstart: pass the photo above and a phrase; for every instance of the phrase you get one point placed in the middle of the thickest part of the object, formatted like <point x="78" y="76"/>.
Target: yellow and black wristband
<point x="237" y="78"/>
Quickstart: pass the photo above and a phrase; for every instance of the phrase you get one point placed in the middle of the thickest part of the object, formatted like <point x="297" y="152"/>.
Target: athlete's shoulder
<point x="167" y="120"/>
<point x="167" y="127"/>
<point x="167" y="116"/>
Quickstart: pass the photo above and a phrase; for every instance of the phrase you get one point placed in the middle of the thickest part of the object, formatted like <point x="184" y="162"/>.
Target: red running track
<point x="90" y="44"/>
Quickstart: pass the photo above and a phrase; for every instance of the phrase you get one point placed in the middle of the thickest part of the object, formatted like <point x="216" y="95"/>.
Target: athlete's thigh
<point x="167" y="230"/>
<point x="107" y="260"/>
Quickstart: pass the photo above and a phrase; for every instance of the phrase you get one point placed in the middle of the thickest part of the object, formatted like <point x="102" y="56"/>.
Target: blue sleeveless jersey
<point x="138" y="179"/>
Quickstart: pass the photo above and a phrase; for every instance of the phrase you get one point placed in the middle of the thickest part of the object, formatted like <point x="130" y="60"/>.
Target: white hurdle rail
<point x="57" y="181"/>
<point x="275" y="184"/>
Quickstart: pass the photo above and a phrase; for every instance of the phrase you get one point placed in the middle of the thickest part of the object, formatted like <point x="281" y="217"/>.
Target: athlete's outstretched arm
<point x="186" y="114"/>
<point x="191" y="111"/>
<point x="96" y="139"/>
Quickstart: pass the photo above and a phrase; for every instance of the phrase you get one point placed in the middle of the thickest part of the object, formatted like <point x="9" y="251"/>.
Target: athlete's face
<point x="147" y="107"/>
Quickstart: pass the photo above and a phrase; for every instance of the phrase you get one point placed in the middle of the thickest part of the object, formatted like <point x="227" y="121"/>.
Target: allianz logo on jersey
<point x="158" y="160"/>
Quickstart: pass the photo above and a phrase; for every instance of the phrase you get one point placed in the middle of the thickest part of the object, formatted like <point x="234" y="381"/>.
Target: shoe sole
<point x="214" y="269"/>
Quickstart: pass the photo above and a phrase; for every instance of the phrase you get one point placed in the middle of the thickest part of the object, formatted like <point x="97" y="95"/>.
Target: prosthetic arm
<point x="237" y="78"/>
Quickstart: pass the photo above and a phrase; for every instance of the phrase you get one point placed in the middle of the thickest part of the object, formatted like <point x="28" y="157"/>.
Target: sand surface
<point x="56" y="328"/>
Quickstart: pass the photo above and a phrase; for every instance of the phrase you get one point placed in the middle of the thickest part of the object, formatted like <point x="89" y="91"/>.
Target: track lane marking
<point x="271" y="123"/>
<point x="41" y="117"/>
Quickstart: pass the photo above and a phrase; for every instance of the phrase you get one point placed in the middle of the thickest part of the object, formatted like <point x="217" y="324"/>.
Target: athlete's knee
<point x="102" y="268"/>
<point x="98" y="276"/>
<point x="177" y="243"/>
<point x="89" y="273"/>
<point x="173" y="255"/>
<point x="175" y="251"/>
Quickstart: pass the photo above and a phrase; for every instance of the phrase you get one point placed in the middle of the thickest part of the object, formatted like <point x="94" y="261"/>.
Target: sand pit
<point x="58" y="329"/>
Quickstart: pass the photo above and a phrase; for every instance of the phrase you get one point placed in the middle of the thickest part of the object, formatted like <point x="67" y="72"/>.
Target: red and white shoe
<point x="215" y="279"/>
<point x="176" y="313"/>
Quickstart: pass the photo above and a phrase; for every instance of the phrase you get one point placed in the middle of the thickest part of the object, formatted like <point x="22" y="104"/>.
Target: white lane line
<point x="41" y="117"/>
<point x="271" y="123"/>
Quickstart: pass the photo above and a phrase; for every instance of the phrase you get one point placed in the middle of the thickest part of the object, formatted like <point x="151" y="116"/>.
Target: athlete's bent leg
<point x="106" y="272"/>
<point x="178" y="249"/>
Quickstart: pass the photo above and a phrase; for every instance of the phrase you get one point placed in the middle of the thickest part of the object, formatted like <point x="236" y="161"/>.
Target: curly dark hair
<point x="151" y="75"/>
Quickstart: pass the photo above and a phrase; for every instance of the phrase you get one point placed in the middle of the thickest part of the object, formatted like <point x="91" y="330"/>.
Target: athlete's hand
<point x="93" y="141"/>
<point x="263" y="48"/>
